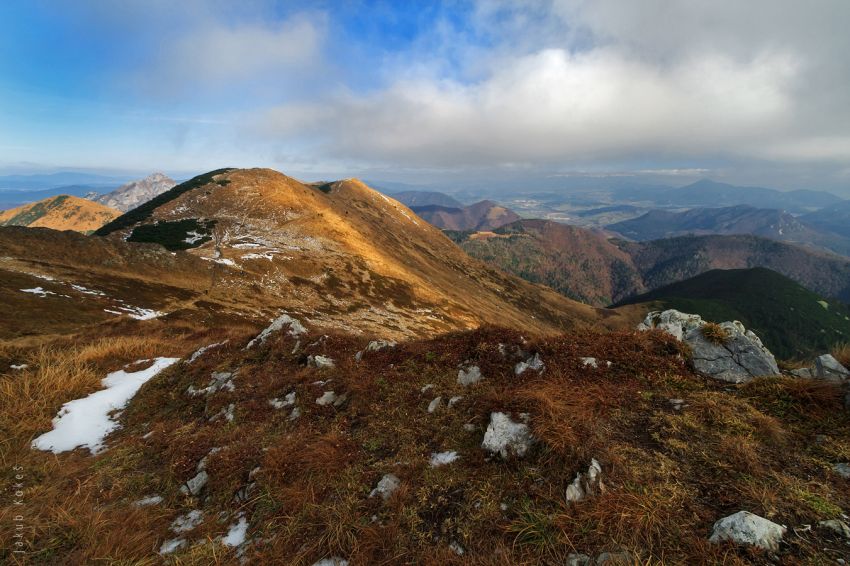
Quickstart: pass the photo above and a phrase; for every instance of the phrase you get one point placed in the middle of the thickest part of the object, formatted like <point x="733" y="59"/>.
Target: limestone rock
<point x="585" y="485"/>
<point x="740" y="357"/>
<point x="374" y="346"/>
<point x="827" y="367"/>
<point x="842" y="469"/>
<point x="506" y="437"/>
<point x="321" y="362"/>
<point x="386" y="487"/>
<point x="748" y="529"/>
<point x="469" y="375"/>
<point x="577" y="559"/>
<point x="534" y="362"/>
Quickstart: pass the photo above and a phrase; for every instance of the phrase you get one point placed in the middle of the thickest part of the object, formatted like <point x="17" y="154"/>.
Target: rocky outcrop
<point x="732" y="353"/>
<point x="748" y="529"/>
<point x="131" y="195"/>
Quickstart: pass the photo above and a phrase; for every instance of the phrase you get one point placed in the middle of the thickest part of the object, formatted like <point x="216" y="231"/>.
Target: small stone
<point x="374" y="346"/>
<point x="442" y="458"/>
<point x="195" y="484"/>
<point x="386" y="487"/>
<point x="506" y="437"/>
<point x="577" y="559"/>
<point x="842" y="469"/>
<point x="454" y="400"/>
<point x="470" y="427"/>
<point x="534" y="363"/>
<point x="748" y="529"/>
<point x="171" y="545"/>
<point x="585" y="485"/>
<point x="327" y="398"/>
<point x="427" y="388"/>
<point x="147" y="501"/>
<point x="589" y="362"/>
<point x="455" y="547"/>
<point x="838" y="527"/>
<point x="435" y="404"/>
<point x="321" y="362"/>
<point x="468" y="376"/>
<point x="827" y="367"/>
<point x="332" y="561"/>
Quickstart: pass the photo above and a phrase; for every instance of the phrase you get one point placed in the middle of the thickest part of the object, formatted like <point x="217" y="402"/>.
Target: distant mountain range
<point x="834" y="218"/>
<point x="792" y="321"/>
<point x="713" y="194"/>
<point x="63" y="212"/>
<point x="586" y="265"/>
<point x="135" y="193"/>
<point x="741" y="219"/>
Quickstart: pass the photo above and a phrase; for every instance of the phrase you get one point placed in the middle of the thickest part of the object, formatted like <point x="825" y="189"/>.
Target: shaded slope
<point x="426" y="198"/>
<point x="792" y="321"/>
<point x="484" y="215"/>
<point x="63" y="212"/>
<point x="576" y="262"/>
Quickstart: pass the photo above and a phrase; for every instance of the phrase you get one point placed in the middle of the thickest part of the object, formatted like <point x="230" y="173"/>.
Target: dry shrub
<point x="715" y="333"/>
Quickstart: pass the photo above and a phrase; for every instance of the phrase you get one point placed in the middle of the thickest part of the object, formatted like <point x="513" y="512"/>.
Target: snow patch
<point x="236" y="533"/>
<point x="442" y="458"/>
<point x="86" y="422"/>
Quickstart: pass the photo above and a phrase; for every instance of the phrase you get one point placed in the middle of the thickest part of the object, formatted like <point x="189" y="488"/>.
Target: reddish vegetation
<point x="668" y="474"/>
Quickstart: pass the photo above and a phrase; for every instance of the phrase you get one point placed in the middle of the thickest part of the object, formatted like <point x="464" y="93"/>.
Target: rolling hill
<point x="63" y="212"/>
<point x="792" y="321"/>
<point x="484" y="215"/>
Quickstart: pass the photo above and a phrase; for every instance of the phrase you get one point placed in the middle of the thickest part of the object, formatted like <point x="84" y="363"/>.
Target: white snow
<point x="38" y="291"/>
<point x="266" y="255"/>
<point x="85" y="291"/>
<point x="443" y="458"/>
<point x="192" y="237"/>
<point x="86" y="422"/>
<point x="19" y="366"/>
<point x="203" y="350"/>
<point x="188" y="521"/>
<point x="141" y="314"/>
<point x="237" y="532"/>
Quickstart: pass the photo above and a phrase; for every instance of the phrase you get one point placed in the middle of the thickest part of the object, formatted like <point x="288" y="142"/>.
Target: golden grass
<point x="715" y="333"/>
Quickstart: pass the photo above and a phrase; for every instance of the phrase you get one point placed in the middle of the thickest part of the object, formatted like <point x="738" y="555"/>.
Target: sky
<point x="453" y="92"/>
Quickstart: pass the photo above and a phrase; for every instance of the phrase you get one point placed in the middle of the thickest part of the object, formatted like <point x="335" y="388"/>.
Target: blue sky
<point x="451" y="92"/>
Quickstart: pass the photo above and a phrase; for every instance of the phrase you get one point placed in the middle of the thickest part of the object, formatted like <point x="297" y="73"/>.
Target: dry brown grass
<point x="841" y="352"/>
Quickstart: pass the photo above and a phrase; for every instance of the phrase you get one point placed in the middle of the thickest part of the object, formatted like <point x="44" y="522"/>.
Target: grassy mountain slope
<point x="63" y="212"/>
<point x="426" y="198"/>
<point x="578" y="263"/>
<point x="792" y="321"/>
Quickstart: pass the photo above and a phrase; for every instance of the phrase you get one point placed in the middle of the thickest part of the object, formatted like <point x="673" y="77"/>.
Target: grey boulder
<point x="748" y="529"/>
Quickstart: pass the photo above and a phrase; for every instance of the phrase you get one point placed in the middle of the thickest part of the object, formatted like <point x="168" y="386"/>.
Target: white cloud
<point x="551" y="106"/>
<point x="217" y="53"/>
